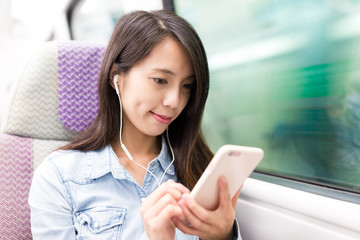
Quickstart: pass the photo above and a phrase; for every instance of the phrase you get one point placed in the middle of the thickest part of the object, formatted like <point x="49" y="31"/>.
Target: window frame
<point x="69" y="12"/>
<point x="330" y="191"/>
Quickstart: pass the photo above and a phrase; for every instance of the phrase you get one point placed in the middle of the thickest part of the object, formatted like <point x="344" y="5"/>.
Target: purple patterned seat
<point x="55" y="98"/>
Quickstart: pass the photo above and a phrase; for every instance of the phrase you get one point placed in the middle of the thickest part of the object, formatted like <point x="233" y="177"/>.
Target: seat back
<point x="55" y="98"/>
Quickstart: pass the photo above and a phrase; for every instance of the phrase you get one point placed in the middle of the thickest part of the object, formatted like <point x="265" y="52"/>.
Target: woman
<point x="128" y="176"/>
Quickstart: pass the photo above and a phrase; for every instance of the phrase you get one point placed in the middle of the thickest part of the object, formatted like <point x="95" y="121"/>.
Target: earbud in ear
<point x="115" y="80"/>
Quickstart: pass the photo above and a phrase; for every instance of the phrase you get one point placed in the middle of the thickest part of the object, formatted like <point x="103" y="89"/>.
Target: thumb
<point x="224" y="194"/>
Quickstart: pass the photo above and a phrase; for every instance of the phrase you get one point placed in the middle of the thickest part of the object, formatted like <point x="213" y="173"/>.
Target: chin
<point x="155" y="133"/>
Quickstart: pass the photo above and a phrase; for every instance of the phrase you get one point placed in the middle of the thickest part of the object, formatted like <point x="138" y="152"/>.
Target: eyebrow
<point x="166" y="71"/>
<point x="163" y="71"/>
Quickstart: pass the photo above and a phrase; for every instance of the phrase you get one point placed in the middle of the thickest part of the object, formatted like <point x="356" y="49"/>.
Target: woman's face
<point x="156" y="90"/>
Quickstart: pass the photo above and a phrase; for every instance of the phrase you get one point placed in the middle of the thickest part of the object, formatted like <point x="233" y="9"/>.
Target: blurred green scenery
<point x="285" y="76"/>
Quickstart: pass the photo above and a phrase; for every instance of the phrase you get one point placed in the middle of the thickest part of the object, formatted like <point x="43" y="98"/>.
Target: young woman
<point x="128" y="176"/>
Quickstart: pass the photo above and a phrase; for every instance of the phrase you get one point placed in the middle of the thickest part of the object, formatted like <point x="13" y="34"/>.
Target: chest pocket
<point x="100" y="223"/>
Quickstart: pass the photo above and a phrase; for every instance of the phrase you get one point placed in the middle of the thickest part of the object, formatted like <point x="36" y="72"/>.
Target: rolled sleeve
<point x="236" y="230"/>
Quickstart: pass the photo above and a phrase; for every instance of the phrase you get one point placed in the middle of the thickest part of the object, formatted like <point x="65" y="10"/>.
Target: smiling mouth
<point x="161" y="118"/>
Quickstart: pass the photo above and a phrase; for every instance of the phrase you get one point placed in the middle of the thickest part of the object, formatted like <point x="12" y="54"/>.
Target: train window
<point x="285" y="77"/>
<point x="94" y="20"/>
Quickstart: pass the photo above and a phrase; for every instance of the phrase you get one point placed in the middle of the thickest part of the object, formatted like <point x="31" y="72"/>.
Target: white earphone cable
<point x="126" y="150"/>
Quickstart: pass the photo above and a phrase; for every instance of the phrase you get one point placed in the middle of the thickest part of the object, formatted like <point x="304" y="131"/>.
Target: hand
<point x="160" y="207"/>
<point x="208" y="225"/>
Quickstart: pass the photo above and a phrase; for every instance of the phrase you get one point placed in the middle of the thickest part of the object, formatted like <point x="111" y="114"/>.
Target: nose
<point x="172" y="98"/>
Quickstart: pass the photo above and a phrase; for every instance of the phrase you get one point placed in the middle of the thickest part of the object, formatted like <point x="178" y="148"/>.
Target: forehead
<point x="168" y="55"/>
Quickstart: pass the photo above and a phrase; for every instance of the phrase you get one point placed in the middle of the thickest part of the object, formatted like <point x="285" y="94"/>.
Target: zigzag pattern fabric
<point x="42" y="148"/>
<point x="54" y="99"/>
<point x="33" y="110"/>
<point x="78" y="70"/>
<point x="15" y="179"/>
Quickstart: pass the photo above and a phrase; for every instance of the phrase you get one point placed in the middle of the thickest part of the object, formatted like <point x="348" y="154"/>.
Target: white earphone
<point x="115" y="80"/>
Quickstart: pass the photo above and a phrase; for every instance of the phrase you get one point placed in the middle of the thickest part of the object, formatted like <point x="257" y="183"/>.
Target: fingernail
<point x="224" y="180"/>
<point x="185" y="197"/>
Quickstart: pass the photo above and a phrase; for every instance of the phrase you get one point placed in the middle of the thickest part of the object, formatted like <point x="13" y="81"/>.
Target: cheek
<point x="183" y="102"/>
<point x="145" y="101"/>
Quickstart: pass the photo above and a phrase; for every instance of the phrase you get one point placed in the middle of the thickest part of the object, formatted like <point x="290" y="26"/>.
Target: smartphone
<point x="234" y="162"/>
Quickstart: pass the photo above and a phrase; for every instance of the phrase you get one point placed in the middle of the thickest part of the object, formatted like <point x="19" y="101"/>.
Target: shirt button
<point x="153" y="164"/>
<point x="96" y="224"/>
<point x="143" y="199"/>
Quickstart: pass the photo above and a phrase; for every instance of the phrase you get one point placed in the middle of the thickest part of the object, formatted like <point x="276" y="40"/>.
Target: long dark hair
<point x="134" y="36"/>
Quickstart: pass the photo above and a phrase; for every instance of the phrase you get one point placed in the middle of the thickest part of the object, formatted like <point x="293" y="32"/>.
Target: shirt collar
<point x="165" y="157"/>
<point x="98" y="163"/>
<point x="104" y="161"/>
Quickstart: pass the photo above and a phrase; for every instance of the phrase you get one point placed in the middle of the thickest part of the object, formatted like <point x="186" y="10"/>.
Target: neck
<point x="141" y="147"/>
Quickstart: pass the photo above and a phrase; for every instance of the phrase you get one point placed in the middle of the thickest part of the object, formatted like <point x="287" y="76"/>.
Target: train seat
<point x="54" y="99"/>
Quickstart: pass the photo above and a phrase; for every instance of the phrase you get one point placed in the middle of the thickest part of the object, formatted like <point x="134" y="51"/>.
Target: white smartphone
<point x="234" y="162"/>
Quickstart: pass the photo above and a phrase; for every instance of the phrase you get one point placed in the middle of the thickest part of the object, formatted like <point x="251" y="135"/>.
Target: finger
<point x="170" y="181"/>
<point x="193" y="212"/>
<point x="224" y="194"/>
<point x="175" y="189"/>
<point x="156" y="208"/>
<point x="169" y="212"/>
<point x="191" y="220"/>
<point x="186" y="228"/>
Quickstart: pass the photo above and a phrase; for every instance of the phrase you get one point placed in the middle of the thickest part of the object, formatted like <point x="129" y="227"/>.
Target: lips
<point x="161" y="118"/>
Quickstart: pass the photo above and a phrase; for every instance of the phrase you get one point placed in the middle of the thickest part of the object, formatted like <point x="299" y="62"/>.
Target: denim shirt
<point x="90" y="195"/>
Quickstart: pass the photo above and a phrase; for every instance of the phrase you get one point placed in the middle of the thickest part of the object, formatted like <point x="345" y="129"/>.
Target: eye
<point x="160" y="80"/>
<point x="189" y="86"/>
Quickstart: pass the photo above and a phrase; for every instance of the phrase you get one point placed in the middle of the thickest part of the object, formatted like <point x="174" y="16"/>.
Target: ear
<point x="116" y="79"/>
<point x="115" y="83"/>
<point x="114" y="75"/>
